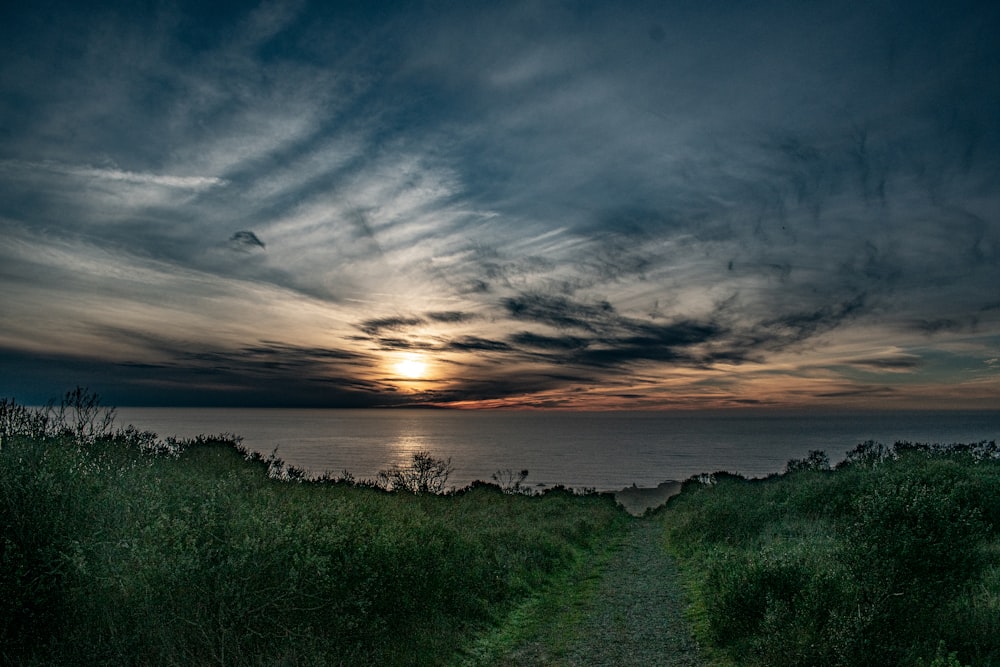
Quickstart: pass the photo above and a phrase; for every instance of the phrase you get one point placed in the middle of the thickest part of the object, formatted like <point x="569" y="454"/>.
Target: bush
<point x="816" y="460"/>
<point x="511" y="482"/>
<point x="81" y="416"/>
<point x="773" y="604"/>
<point x="18" y="420"/>
<point x="875" y="563"/>
<point x="867" y="454"/>
<point x="425" y="474"/>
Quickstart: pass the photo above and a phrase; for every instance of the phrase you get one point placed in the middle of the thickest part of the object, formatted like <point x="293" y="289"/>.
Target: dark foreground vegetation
<point x="117" y="547"/>
<point x="891" y="558"/>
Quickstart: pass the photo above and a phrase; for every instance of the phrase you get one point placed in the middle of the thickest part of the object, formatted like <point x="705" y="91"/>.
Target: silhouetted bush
<point x="816" y="460"/>
<point x="511" y="482"/>
<point x="18" y="420"/>
<point x="80" y="415"/>
<point x="424" y="474"/>
<point x="868" y="453"/>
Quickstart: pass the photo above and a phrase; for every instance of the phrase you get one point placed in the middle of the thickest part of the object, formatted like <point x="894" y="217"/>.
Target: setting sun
<point x="412" y="368"/>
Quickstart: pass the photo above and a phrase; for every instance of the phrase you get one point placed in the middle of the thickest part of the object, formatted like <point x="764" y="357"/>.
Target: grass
<point x="893" y="558"/>
<point x="119" y="548"/>
<point x="549" y="618"/>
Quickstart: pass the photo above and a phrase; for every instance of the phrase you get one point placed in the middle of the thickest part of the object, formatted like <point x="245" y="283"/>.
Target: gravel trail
<point x="638" y="614"/>
<point x="636" y="617"/>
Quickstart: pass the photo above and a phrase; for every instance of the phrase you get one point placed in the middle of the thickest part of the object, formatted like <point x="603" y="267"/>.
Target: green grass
<point x="891" y="559"/>
<point x="113" y="554"/>
<point x="549" y="618"/>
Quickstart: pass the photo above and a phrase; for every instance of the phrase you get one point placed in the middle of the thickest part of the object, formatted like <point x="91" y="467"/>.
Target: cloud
<point x="670" y="343"/>
<point x="902" y="363"/>
<point x="539" y="341"/>
<point x="374" y="327"/>
<point x="607" y="338"/>
<point x="449" y="316"/>
<point x="502" y="386"/>
<point x="559" y="312"/>
<point x="795" y="327"/>
<point x="245" y="241"/>
<point x="627" y="193"/>
<point x="477" y="344"/>
<point x="860" y="392"/>
<point x="940" y="324"/>
<point x="112" y="174"/>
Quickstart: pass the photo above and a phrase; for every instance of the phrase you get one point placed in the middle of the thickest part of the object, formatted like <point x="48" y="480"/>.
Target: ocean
<point x="600" y="450"/>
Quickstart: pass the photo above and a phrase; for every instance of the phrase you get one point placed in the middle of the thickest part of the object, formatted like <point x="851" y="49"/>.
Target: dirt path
<point x="635" y="618"/>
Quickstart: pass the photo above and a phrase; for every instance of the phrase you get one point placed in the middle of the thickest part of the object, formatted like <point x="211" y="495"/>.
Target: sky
<point x="543" y="204"/>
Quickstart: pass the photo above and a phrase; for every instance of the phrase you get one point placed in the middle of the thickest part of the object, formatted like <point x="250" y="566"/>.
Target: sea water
<point x="599" y="450"/>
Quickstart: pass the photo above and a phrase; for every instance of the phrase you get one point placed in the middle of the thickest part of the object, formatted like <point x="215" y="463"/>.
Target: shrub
<point x="910" y="545"/>
<point x="80" y="415"/>
<point x="775" y="603"/>
<point x="867" y="454"/>
<point x="18" y="420"/>
<point x="872" y="564"/>
<point x="425" y="474"/>
<point x="816" y="460"/>
<point x="942" y="658"/>
<point x="511" y="482"/>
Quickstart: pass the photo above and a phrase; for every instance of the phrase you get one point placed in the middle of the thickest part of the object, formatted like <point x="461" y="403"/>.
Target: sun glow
<point x="412" y="368"/>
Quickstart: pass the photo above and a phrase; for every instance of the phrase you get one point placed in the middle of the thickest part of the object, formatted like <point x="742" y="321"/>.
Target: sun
<point x="412" y="368"/>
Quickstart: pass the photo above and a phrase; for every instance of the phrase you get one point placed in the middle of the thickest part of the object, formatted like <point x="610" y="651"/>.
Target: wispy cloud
<point x="113" y="174"/>
<point x="632" y="205"/>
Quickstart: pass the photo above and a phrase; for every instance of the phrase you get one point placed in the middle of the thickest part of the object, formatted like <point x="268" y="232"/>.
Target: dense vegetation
<point x="117" y="547"/>
<point x="891" y="558"/>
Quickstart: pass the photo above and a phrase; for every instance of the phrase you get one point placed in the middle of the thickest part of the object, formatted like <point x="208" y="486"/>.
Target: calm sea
<point x="602" y="450"/>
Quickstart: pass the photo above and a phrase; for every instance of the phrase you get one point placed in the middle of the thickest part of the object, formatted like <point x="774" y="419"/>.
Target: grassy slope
<point x="111" y="556"/>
